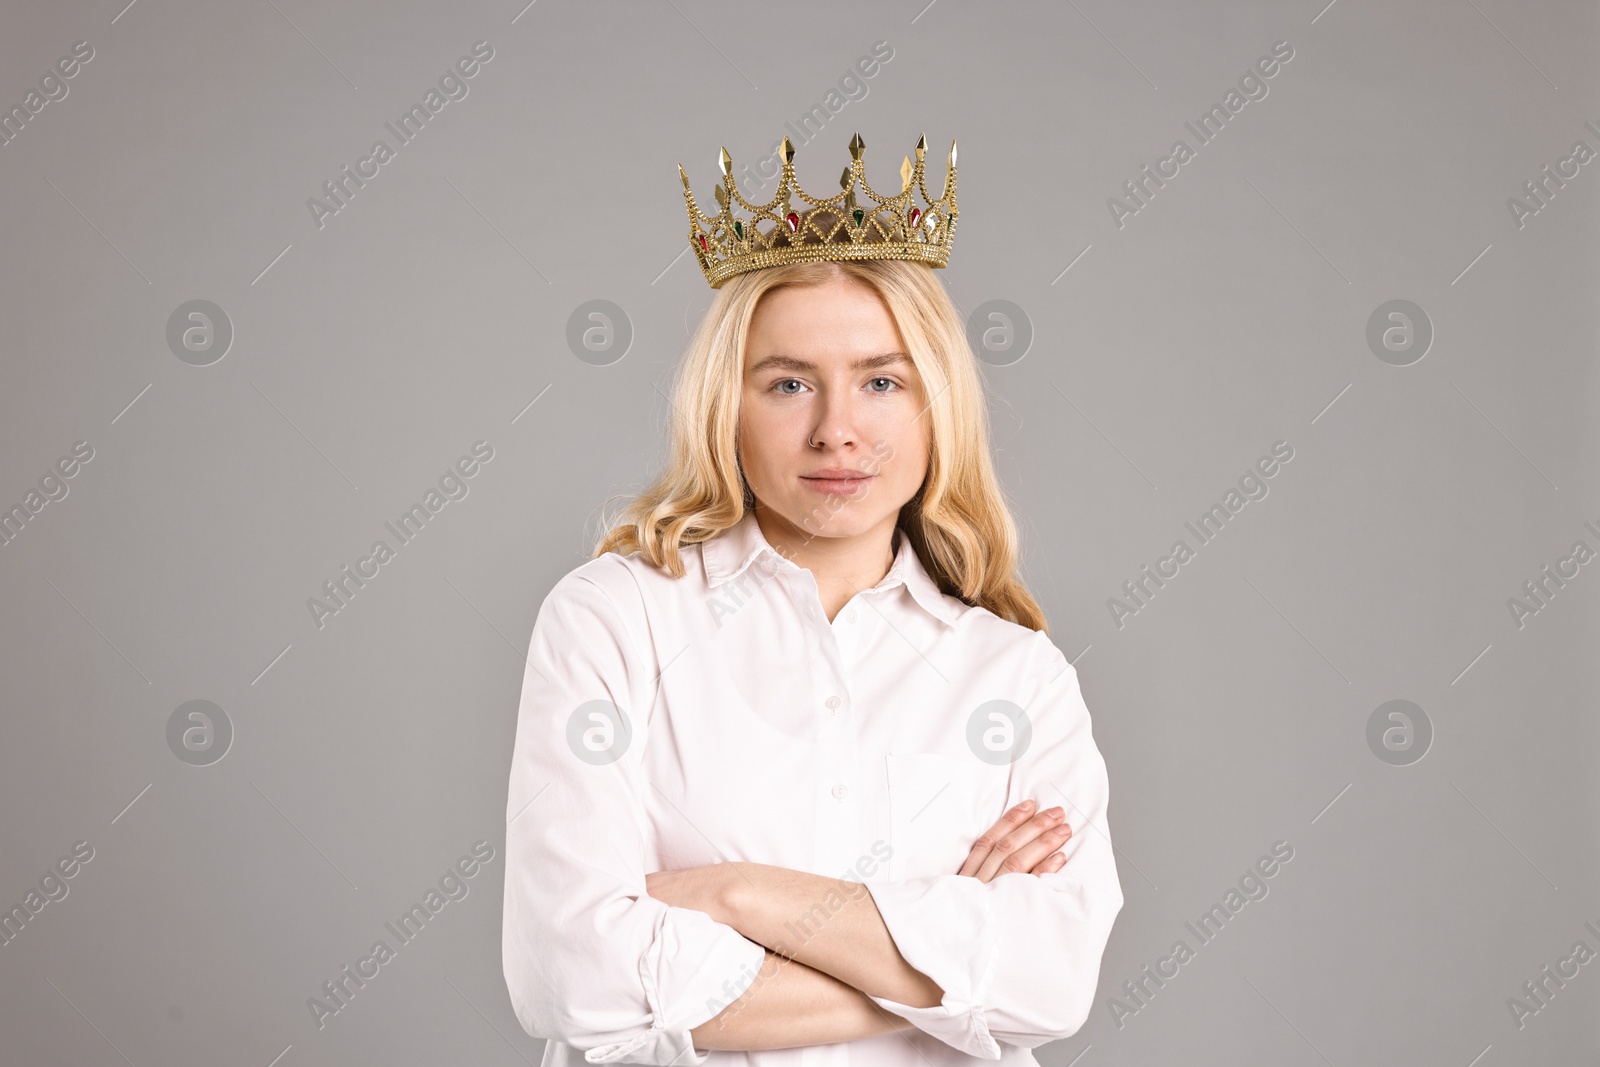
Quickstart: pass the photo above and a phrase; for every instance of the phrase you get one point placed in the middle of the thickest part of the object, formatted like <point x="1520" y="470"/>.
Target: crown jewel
<point x="842" y="226"/>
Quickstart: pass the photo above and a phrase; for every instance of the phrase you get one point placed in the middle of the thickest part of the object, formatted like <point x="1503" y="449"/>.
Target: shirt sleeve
<point x="590" y="958"/>
<point x="1018" y="957"/>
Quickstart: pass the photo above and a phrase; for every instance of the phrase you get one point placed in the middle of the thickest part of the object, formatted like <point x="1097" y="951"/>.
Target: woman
<point x="783" y="741"/>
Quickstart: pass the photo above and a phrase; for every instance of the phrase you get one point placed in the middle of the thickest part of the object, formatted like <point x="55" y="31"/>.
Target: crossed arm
<point x="827" y="945"/>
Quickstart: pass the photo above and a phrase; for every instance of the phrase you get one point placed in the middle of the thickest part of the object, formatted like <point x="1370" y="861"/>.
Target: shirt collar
<point x="728" y="554"/>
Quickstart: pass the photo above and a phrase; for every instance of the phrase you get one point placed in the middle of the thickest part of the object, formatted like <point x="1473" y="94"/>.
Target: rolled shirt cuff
<point x="694" y="969"/>
<point x="944" y="928"/>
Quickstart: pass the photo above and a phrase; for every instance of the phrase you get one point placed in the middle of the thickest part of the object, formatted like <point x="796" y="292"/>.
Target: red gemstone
<point x="915" y="215"/>
<point x="703" y="242"/>
<point x="793" y="220"/>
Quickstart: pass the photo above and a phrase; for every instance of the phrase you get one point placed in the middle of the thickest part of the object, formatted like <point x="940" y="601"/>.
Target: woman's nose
<point x="836" y="423"/>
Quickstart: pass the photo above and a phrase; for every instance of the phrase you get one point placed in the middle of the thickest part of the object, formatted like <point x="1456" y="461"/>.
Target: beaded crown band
<point x="836" y="228"/>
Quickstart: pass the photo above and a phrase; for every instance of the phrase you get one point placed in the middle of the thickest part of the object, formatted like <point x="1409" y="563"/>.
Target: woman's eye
<point x="781" y="386"/>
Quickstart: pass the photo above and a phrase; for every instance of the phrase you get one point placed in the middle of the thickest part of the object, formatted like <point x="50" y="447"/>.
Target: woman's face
<point x="827" y="363"/>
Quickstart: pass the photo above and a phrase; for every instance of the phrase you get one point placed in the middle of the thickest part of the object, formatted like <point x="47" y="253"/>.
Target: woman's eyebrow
<point x="781" y="362"/>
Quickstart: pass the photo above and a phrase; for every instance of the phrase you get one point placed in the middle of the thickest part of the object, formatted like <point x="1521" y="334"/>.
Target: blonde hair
<point x="959" y="522"/>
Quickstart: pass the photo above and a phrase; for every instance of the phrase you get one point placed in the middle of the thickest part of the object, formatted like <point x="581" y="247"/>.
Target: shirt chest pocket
<point x="938" y="807"/>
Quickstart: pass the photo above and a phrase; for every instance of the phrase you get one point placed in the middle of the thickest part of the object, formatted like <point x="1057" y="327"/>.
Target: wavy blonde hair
<point x="959" y="522"/>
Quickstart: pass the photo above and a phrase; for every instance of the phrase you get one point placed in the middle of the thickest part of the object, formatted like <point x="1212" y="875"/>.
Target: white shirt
<point x="668" y="723"/>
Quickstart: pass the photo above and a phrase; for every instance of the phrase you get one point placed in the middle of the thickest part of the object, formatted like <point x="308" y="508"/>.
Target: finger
<point x="1034" y="842"/>
<point x="1035" y="852"/>
<point x="1000" y="855"/>
<point x="1050" y="864"/>
<point x="1016" y="839"/>
<point x="1032" y="857"/>
<point x="1005" y="837"/>
<point x="981" y="847"/>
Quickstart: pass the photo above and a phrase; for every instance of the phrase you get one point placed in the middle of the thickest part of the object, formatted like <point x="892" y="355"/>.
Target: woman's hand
<point x="1020" y="841"/>
<point x="700" y="888"/>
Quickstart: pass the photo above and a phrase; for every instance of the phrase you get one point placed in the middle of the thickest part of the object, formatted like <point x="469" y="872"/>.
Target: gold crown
<point x="892" y="228"/>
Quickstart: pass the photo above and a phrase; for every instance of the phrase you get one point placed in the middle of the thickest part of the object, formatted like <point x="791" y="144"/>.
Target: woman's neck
<point x="842" y="564"/>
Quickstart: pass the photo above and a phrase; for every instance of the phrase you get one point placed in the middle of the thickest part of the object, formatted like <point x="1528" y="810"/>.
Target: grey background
<point x="429" y="313"/>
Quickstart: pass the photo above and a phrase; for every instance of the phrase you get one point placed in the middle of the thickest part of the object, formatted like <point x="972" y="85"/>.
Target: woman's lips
<point x="840" y="486"/>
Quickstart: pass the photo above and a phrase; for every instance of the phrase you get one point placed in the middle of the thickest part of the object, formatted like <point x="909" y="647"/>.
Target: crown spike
<point x="922" y="145"/>
<point x="788" y="149"/>
<point x="685" y="178"/>
<point x="952" y="153"/>
<point x="725" y="161"/>
<point x="857" y="146"/>
<point x="905" y="174"/>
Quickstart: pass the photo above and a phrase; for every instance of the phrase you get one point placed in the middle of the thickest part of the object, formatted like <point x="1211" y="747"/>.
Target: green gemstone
<point x="738" y="228"/>
<point x="858" y="215"/>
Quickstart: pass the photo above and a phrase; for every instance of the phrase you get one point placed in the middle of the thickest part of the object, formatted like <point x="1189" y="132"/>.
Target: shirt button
<point x="833" y="703"/>
<point x="840" y="790"/>
<point x="850" y="616"/>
